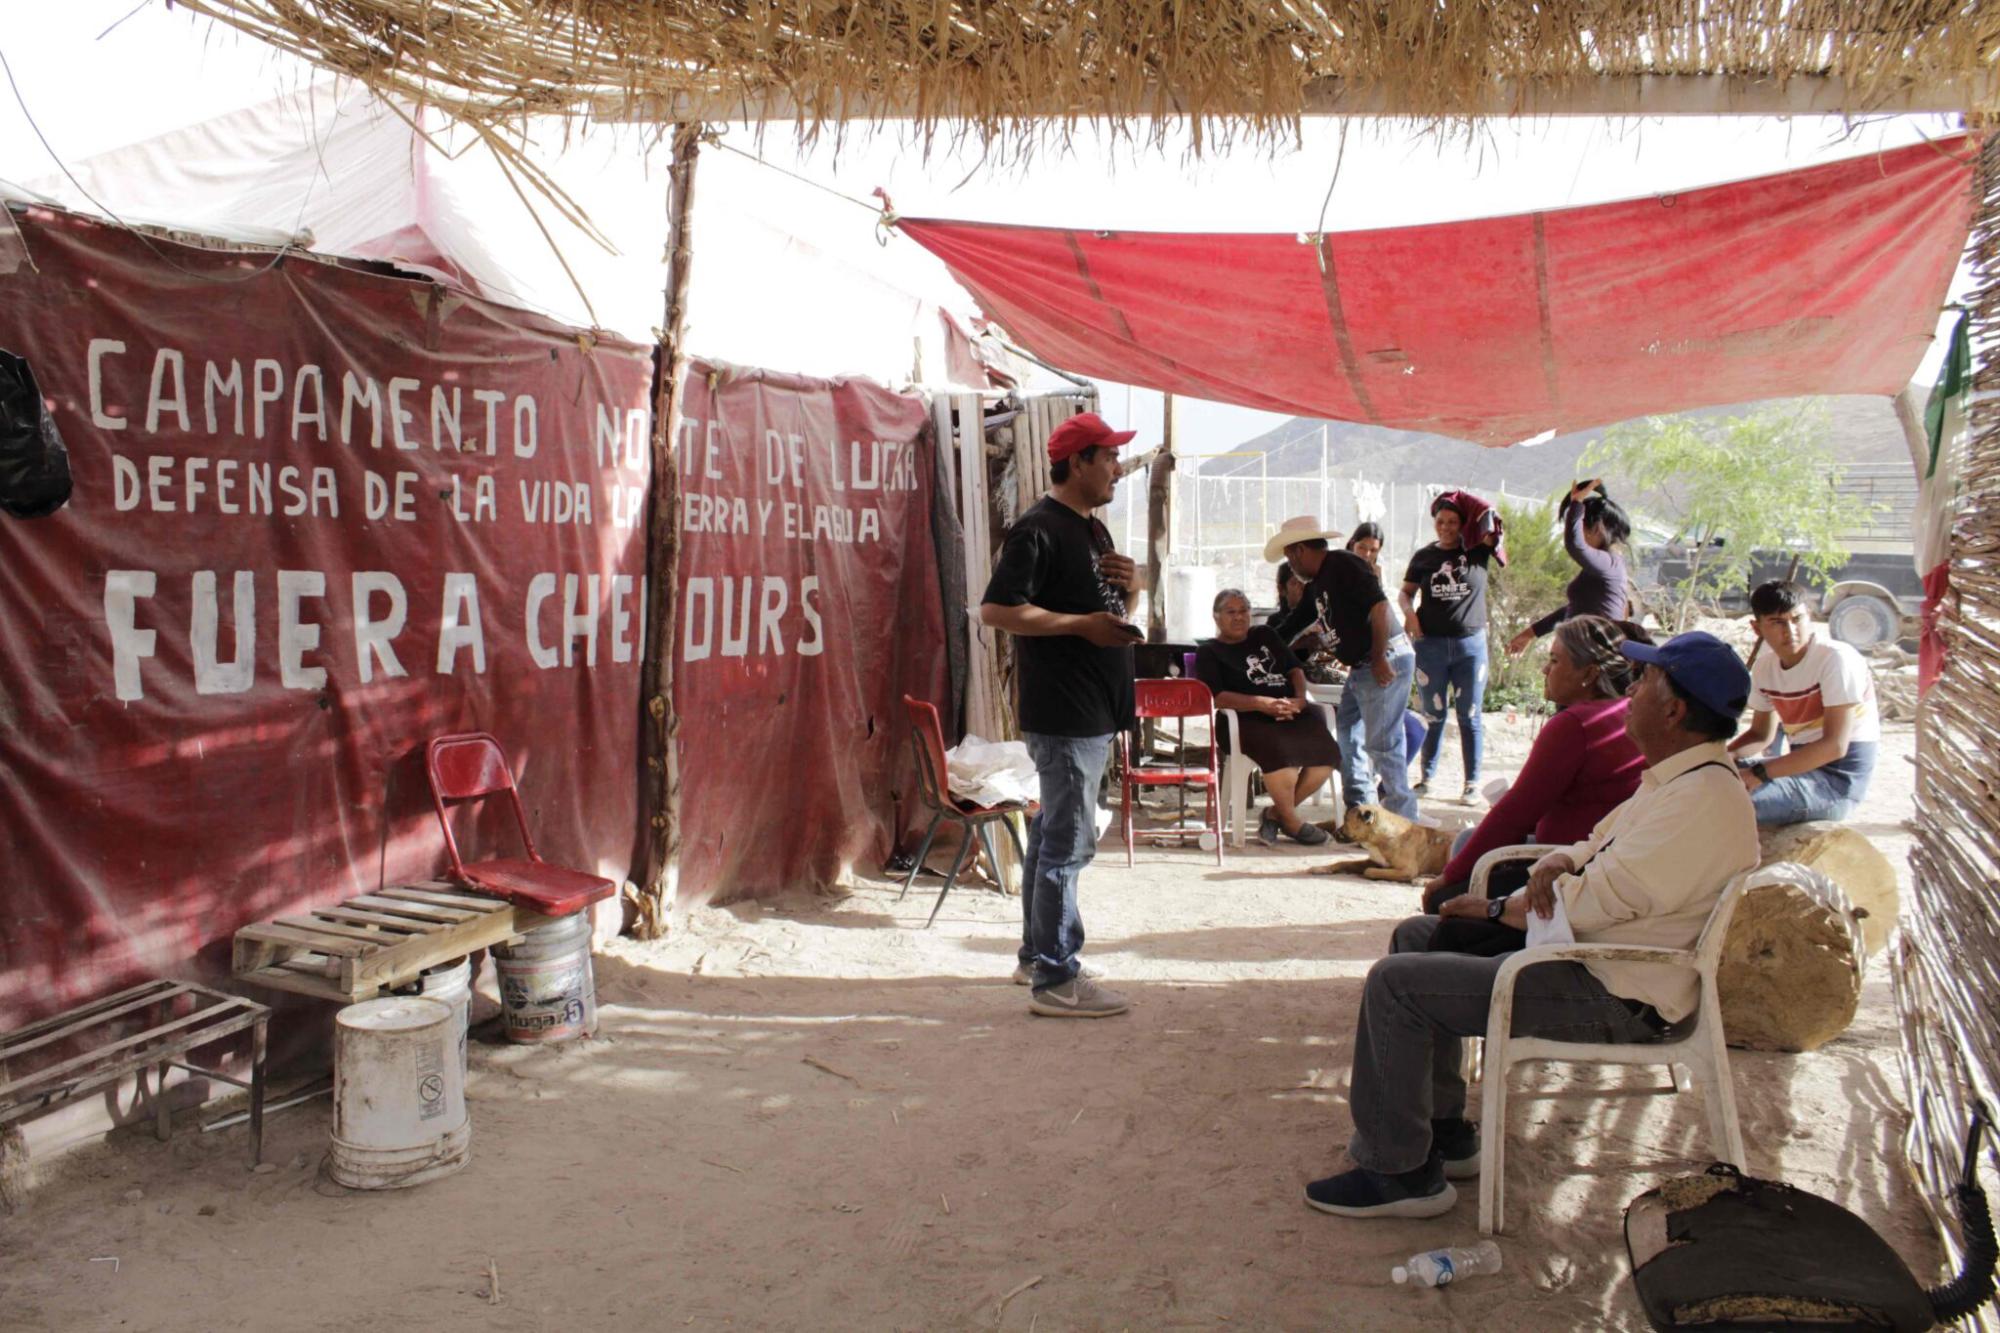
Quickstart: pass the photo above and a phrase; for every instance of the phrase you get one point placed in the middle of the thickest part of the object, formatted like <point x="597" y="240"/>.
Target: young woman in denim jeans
<point x="1444" y="612"/>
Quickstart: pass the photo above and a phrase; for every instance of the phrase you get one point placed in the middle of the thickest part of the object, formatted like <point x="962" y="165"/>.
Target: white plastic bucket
<point x="398" y="1094"/>
<point x="1190" y="597"/>
<point x="451" y="983"/>
<point x="548" y="991"/>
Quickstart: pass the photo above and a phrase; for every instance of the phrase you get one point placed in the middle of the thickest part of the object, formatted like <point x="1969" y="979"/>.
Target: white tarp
<point x="784" y="276"/>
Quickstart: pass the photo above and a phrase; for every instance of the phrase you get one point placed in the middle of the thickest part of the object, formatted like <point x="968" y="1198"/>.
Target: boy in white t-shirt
<point x="1823" y="695"/>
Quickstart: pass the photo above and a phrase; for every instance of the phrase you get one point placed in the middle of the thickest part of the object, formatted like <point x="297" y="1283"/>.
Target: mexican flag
<point x="1937" y="494"/>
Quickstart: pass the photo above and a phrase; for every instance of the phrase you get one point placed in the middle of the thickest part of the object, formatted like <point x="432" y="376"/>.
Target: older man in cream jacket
<point x="1650" y="873"/>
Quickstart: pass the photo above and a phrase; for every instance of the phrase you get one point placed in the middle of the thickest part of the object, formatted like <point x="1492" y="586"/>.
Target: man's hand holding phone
<point x="1108" y="631"/>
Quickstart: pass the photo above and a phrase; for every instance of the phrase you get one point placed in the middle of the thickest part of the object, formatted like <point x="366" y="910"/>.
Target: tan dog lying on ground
<point x="1397" y="848"/>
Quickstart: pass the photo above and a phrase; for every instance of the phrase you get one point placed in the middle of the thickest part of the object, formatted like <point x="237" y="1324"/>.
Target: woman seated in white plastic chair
<point x="1251" y="671"/>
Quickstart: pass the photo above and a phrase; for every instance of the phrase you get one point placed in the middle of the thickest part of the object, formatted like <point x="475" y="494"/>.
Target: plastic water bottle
<point x="1441" y="1268"/>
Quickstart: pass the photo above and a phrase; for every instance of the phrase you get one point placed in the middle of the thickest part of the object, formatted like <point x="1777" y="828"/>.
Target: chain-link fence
<point x="1225" y="507"/>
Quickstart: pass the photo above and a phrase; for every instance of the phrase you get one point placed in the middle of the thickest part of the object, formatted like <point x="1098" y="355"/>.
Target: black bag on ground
<point x="1725" y="1251"/>
<point x="34" y="466"/>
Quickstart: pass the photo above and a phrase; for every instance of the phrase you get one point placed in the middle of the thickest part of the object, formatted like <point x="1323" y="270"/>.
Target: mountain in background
<point x="1861" y="429"/>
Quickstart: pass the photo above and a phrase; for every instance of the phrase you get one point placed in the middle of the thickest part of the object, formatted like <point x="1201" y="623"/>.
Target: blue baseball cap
<point x="1701" y="664"/>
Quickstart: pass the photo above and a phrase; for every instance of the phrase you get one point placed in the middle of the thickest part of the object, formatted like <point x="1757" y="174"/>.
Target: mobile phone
<point x="1131" y="630"/>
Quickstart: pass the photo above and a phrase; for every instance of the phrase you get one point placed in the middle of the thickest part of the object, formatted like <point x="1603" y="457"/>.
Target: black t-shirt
<point x="1451" y="589"/>
<point x="1259" y="665"/>
<point x="1336" y="606"/>
<point x="1068" y="685"/>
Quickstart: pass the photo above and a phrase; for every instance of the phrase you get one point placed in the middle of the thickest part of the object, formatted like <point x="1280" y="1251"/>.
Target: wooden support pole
<point x="1160" y="528"/>
<point x="660" y="730"/>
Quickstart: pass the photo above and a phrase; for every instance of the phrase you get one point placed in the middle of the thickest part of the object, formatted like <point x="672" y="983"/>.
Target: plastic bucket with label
<point x="399" y="1115"/>
<point x="548" y="991"/>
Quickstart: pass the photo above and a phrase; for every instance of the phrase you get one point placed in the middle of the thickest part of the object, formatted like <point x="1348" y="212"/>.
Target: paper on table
<point x="1550" y="930"/>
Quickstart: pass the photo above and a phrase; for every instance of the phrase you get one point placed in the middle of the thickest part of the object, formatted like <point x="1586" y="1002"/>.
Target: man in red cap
<point x="1060" y="588"/>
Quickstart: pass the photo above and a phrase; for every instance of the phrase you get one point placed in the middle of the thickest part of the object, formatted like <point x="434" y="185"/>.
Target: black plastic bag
<point x="34" y="466"/>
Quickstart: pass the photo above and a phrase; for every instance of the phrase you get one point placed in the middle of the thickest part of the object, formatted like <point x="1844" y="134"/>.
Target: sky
<point x="97" y="74"/>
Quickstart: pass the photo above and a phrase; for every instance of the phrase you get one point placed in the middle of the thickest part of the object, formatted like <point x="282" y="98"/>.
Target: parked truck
<point x="1874" y="598"/>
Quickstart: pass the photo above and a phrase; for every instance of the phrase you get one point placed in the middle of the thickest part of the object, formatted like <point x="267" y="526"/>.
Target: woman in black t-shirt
<point x="1447" y="625"/>
<point x="1253" y="673"/>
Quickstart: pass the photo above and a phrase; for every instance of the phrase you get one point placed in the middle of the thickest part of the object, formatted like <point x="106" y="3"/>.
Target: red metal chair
<point x="976" y="821"/>
<point x="1180" y="699"/>
<point x="472" y="766"/>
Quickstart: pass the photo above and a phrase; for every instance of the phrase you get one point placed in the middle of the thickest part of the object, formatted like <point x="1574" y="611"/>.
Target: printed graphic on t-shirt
<point x="1323" y="626"/>
<point x="1260" y="668"/>
<point x="1449" y="584"/>
<point x="1101" y="545"/>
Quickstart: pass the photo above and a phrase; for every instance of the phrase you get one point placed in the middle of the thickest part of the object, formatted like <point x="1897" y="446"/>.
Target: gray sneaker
<point x="1269" y="830"/>
<point x="1024" y="973"/>
<point x="1077" y="998"/>
<point x="1310" y="835"/>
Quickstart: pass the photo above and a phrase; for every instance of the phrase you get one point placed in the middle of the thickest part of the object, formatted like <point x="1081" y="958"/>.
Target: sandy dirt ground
<point x="818" y="1114"/>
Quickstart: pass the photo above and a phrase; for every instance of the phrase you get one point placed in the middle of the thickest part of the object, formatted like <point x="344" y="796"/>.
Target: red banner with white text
<point x="810" y="605"/>
<point x="321" y="514"/>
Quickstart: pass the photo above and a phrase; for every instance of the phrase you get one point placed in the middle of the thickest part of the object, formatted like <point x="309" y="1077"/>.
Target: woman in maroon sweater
<point x="1582" y="765"/>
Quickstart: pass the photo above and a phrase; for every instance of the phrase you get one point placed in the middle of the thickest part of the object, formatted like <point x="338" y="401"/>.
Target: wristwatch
<point x="1763" y="773"/>
<point x="1495" y="907"/>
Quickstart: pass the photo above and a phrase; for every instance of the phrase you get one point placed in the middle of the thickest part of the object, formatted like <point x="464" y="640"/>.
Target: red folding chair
<point x="1180" y="699"/>
<point x="977" y="821"/>
<point x="470" y="767"/>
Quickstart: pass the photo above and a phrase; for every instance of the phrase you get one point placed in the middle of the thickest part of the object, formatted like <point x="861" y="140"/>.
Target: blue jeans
<point x="1062" y="839"/>
<point x="1830" y="791"/>
<point x="1357" y="779"/>
<point x="1455" y="668"/>
<point x="1370" y="718"/>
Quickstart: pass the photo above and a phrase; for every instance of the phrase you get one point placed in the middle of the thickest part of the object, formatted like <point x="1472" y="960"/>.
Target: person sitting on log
<point x="1649" y="874"/>
<point x="1821" y="692"/>
<point x="1282" y="731"/>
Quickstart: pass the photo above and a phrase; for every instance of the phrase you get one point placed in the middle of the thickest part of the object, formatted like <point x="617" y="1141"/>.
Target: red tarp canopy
<point x="1827" y="280"/>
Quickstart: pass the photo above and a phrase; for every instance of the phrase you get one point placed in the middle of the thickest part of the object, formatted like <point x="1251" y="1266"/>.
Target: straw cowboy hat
<point x="1301" y="529"/>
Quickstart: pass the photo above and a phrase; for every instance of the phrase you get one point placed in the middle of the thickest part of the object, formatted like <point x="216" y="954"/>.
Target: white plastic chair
<point x="1236" y="773"/>
<point x="1697" y="1044"/>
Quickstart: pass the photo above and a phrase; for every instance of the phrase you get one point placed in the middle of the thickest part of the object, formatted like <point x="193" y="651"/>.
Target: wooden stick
<point x="826" y="1068"/>
<point x="662" y="786"/>
<point x="1160" y="529"/>
<point x="1018" y="1290"/>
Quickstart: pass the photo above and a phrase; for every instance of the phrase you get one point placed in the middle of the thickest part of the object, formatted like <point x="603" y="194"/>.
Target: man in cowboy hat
<point x="1345" y="605"/>
<point x="1060" y="588"/>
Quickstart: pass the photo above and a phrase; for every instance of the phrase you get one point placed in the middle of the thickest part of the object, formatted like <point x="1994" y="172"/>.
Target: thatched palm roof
<point x="1005" y="70"/>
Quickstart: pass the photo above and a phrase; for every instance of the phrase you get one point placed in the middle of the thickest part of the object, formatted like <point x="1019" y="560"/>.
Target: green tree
<point x="1733" y="486"/>
<point x="1538" y="569"/>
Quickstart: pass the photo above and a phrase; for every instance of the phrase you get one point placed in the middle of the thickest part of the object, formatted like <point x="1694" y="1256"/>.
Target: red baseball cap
<point x="1082" y="431"/>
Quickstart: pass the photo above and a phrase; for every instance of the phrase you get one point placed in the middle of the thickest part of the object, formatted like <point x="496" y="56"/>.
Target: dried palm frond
<point x="1022" y="73"/>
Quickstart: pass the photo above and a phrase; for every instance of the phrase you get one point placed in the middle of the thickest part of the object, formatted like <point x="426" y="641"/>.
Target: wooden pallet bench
<point x="182" y="1017"/>
<point x="376" y="942"/>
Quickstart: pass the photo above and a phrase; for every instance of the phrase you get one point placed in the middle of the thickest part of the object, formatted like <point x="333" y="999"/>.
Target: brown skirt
<point x="1304" y="742"/>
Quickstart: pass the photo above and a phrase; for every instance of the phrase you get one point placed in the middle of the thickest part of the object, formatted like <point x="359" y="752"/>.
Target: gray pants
<point x="1417" y="1007"/>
